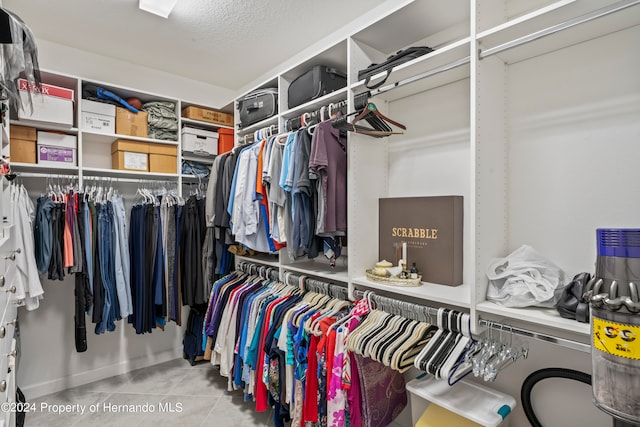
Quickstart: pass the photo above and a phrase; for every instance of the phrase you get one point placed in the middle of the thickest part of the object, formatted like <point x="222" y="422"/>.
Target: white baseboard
<point x="82" y="378"/>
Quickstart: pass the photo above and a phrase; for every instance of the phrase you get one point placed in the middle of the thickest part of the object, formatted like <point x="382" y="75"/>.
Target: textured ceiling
<point x="227" y="43"/>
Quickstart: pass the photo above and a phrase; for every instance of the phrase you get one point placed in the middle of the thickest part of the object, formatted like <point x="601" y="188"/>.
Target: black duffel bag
<point x="394" y="60"/>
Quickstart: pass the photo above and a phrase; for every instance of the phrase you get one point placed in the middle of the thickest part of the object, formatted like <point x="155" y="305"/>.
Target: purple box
<point x="56" y="156"/>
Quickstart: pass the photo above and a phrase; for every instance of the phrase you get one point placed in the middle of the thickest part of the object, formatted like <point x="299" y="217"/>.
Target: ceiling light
<point x="158" y="7"/>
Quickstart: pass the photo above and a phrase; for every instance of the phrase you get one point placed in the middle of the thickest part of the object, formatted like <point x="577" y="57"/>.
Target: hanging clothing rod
<point x="574" y="345"/>
<point x="44" y="175"/>
<point x="128" y="180"/>
<point x="401" y="308"/>
<point x="330" y="289"/>
<point x="432" y="72"/>
<point x="559" y="27"/>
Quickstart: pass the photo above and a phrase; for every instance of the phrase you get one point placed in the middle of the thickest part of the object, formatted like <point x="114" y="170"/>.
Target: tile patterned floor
<point x="166" y="395"/>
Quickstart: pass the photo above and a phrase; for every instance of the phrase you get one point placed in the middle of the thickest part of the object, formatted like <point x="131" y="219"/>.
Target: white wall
<point x="64" y="59"/>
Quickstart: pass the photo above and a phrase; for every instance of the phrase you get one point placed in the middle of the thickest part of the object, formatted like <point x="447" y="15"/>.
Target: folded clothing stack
<point x="163" y="120"/>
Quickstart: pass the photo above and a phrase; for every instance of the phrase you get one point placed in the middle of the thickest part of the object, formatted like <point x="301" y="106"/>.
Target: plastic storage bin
<point x="471" y="401"/>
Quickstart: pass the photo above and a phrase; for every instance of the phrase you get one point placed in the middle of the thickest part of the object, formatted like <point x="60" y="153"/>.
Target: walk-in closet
<point x="406" y="213"/>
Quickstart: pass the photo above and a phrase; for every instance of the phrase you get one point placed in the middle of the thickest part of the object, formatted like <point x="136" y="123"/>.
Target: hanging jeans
<point x="81" y="289"/>
<point x="87" y="227"/>
<point x="105" y="251"/>
<point x="138" y="272"/>
<point x="43" y="234"/>
<point x="121" y="257"/>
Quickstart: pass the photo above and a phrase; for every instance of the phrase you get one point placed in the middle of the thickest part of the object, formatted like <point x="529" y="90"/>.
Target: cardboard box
<point x="162" y="163"/>
<point x="22" y="151"/>
<point x="432" y="229"/>
<point x="25" y="133"/>
<point x="198" y="141"/>
<point x="51" y="104"/>
<point x="57" y="149"/>
<point x="164" y="149"/>
<point x="206" y="115"/>
<point x="130" y="155"/>
<point x="98" y="117"/>
<point x="129" y="123"/>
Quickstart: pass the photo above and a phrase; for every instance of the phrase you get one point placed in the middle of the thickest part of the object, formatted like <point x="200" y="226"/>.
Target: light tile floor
<point x="179" y="395"/>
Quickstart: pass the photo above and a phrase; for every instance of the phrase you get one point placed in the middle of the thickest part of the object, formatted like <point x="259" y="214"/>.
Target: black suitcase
<point x="394" y="60"/>
<point x="317" y="82"/>
<point x="257" y="106"/>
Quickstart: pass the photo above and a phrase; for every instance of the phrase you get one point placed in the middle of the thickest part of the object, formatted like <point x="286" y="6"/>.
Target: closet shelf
<point x="196" y="158"/>
<point x="35" y="167"/>
<point x="535" y="315"/>
<point x="268" y="260"/>
<point x="440" y="58"/>
<point x="319" y="269"/>
<point x="333" y="97"/>
<point x="561" y="12"/>
<point x="254" y="127"/>
<point x="108" y="138"/>
<point x="46" y="126"/>
<point x="458" y="296"/>
<point x="203" y="125"/>
<point x="130" y="174"/>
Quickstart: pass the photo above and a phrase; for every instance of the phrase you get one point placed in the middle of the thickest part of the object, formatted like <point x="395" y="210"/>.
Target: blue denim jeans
<point x="106" y="257"/>
<point x="121" y="256"/>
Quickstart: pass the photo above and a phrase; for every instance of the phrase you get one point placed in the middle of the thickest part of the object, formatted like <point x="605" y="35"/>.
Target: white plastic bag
<point x="524" y="278"/>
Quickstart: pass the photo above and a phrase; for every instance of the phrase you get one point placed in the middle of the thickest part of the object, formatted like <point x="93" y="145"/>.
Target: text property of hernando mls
<point x="107" y="407"/>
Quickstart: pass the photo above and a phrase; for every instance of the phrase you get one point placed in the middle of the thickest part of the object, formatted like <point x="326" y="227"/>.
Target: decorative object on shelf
<point x="400" y="57"/>
<point x="382" y="268"/>
<point x="430" y="228"/>
<point x="20" y="58"/>
<point x="374" y="276"/>
<point x="524" y="278"/>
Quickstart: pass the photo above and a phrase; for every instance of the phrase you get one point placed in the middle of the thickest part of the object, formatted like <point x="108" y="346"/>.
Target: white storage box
<point x="199" y="141"/>
<point x="51" y="104"/>
<point x="98" y="117"/>
<point x="57" y="150"/>
<point x="472" y="401"/>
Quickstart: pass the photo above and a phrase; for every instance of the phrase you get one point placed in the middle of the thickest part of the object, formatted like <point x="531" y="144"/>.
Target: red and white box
<point x="51" y="104"/>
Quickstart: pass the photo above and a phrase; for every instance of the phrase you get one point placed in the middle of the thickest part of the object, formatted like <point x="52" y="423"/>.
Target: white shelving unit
<point x="94" y="148"/>
<point x="500" y="112"/>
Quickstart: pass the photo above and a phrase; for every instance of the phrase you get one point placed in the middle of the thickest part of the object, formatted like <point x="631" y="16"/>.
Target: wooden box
<point x="206" y="115"/>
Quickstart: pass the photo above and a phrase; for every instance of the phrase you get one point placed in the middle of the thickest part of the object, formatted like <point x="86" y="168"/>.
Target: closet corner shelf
<point x="203" y="125"/>
<point x="440" y="58"/>
<point x="319" y="269"/>
<point x="116" y="173"/>
<point x="338" y="95"/>
<point x="458" y="296"/>
<point x="108" y="138"/>
<point x="535" y="315"/>
<point x="46" y="126"/>
<point x="186" y="155"/>
<point x="569" y="22"/>
<point x="254" y="127"/>
<point x="271" y="261"/>
<point x="35" y="167"/>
